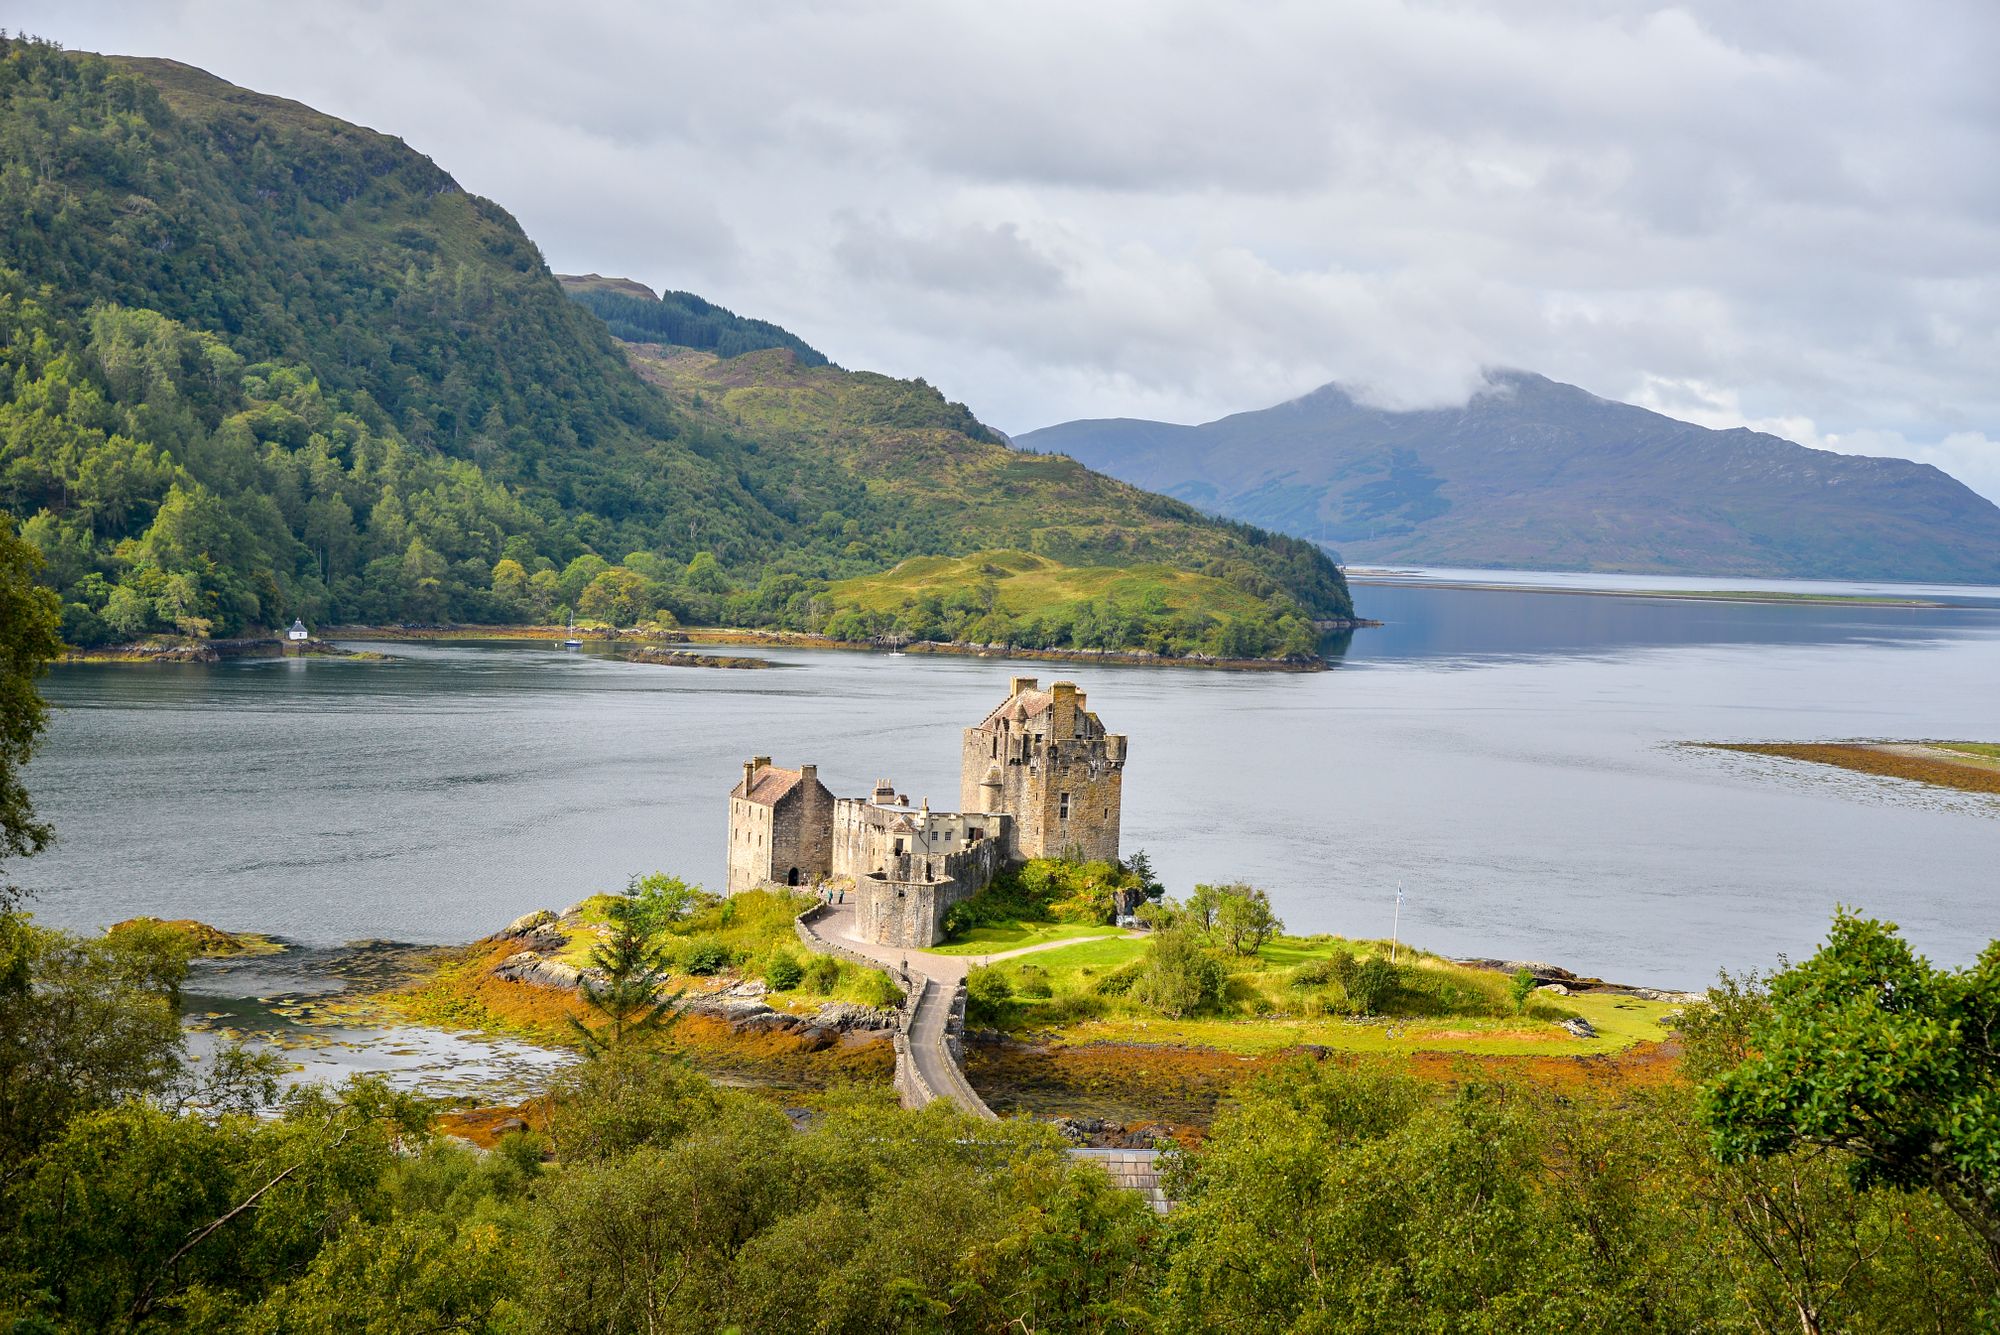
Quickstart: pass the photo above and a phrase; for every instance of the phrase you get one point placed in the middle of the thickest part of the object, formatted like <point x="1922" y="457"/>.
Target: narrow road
<point x="930" y="1052"/>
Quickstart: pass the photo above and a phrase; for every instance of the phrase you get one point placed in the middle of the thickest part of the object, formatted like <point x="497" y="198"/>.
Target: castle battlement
<point x="1039" y="777"/>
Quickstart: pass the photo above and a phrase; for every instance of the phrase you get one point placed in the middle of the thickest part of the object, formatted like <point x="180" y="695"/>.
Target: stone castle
<point x="1038" y="777"/>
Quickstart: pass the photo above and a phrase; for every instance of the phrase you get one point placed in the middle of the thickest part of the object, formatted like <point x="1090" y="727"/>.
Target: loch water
<point x="1511" y="757"/>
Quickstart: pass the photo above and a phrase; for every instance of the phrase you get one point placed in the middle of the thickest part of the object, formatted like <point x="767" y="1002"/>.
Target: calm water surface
<point x="1509" y="756"/>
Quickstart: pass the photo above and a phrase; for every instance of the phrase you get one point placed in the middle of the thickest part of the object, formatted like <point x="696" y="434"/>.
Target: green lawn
<point x="998" y="937"/>
<point x="1983" y="750"/>
<point x="1085" y="958"/>
<point x="1271" y="1014"/>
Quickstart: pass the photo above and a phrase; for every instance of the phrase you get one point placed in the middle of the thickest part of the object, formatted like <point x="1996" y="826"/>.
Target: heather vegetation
<point x="258" y="364"/>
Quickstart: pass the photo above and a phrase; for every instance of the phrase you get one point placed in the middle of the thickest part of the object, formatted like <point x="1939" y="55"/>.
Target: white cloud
<point x="1781" y="215"/>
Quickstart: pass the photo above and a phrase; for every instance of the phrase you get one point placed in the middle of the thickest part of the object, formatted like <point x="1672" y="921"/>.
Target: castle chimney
<point x="761" y="761"/>
<point x="885" y="793"/>
<point x="1062" y="720"/>
<point x="808" y="775"/>
<point x="749" y="775"/>
<point x="1019" y="684"/>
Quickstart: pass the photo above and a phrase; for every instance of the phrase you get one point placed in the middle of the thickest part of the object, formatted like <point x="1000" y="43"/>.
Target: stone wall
<point x="750" y="836"/>
<point x="904" y="904"/>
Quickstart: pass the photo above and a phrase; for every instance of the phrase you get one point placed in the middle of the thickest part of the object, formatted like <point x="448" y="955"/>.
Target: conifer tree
<point x="628" y="1003"/>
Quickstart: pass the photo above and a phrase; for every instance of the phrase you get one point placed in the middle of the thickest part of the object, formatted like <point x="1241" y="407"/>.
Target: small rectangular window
<point x="1062" y="807"/>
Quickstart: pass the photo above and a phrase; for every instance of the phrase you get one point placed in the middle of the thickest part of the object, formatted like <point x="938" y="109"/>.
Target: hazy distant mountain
<point x="1532" y="473"/>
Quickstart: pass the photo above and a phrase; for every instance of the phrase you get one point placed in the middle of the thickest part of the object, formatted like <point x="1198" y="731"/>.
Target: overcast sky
<point x="1779" y="213"/>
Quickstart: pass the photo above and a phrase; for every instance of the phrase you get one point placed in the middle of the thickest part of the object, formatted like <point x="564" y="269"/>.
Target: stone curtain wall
<point x="907" y="907"/>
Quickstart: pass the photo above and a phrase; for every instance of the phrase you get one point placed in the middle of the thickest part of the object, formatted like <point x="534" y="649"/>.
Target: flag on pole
<point x="1396" y="925"/>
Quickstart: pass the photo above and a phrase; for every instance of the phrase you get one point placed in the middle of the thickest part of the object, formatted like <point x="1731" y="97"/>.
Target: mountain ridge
<point x="1530" y="472"/>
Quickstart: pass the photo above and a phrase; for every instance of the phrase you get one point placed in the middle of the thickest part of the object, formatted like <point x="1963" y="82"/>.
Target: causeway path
<point x="930" y="1048"/>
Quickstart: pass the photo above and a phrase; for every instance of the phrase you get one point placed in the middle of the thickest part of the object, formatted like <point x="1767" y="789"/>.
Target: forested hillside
<point x="257" y="363"/>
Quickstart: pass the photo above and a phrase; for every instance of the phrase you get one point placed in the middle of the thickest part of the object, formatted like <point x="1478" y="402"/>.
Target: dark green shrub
<point x="1179" y="978"/>
<point x="1370" y="984"/>
<point x="1032" y="980"/>
<point x="822" y="974"/>
<point x="1313" y="973"/>
<point x="1119" y="981"/>
<point x="705" y="955"/>
<point x="987" y="993"/>
<point x="783" y="973"/>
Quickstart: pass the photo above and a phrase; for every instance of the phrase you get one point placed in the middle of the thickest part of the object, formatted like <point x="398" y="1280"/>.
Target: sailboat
<point x="571" y="641"/>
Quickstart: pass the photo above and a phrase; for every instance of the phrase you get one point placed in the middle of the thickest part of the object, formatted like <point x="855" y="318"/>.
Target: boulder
<point x="1555" y="989"/>
<point x="1578" y="1026"/>
<point x="846" y="1017"/>
<point x="528" y="967"/>
<point x="528" y="922"/>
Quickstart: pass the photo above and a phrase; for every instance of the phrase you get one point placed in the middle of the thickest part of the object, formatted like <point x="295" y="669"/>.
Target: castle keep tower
<point x="1047" y="762"/>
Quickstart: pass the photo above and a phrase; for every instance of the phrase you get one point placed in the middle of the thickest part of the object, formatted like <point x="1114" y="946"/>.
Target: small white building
<point x="298" y="631"/>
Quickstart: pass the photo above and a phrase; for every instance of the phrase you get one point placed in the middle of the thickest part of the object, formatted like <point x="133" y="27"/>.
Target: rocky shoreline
<point x="790" y="639"/>
<point x="177" y="649"/>
<point x="537" y="940"/>
<point x="1558" y="981"/>
<point x="654" y="654"/>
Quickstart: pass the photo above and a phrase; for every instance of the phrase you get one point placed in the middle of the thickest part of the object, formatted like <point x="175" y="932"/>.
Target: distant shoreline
<point x="802" y="640"/>
<point x="1399" y="579"/>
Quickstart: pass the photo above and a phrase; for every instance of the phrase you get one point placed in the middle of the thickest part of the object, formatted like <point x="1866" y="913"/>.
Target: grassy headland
<point x="1972" y="767"/>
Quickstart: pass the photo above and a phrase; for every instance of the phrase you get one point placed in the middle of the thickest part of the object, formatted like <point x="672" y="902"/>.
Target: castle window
<point x="1062" y="807"/>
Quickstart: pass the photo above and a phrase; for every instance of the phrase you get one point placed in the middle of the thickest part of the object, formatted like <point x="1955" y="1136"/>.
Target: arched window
<point x="792" y="876"/>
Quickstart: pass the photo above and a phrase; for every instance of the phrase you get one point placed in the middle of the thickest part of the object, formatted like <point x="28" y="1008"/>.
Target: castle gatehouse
<point x="1039" y="777"/>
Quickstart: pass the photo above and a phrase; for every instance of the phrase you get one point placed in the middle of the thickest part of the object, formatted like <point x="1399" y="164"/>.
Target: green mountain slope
<point x="256" y="362"/>
<point x="1533" y="473"/>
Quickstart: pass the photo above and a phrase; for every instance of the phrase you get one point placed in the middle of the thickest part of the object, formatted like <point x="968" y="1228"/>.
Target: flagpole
<point x="1396" y="929"/>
